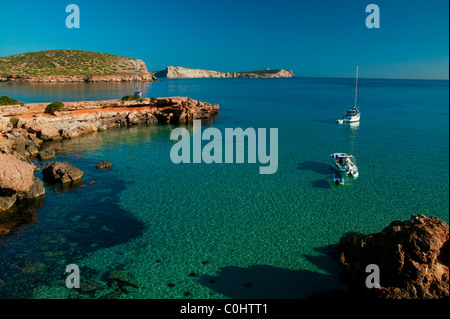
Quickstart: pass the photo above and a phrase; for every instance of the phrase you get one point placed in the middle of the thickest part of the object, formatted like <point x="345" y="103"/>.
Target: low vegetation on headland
<point x="71" y="66"/>
<point x="68" y="62"/>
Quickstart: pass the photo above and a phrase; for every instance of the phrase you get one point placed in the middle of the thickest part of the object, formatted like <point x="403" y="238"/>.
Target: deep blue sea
<point x="224" y="230"/>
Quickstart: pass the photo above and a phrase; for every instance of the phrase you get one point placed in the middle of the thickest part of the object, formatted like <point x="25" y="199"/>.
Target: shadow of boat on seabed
<point x="268" y="282"/>
<point x="316" y="167"/>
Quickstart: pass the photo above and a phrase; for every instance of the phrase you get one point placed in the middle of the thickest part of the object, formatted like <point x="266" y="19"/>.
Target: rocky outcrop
<point x="103" y="165"/>
<point x="61" y="173"/>
<point x="15" y="174"/>
<point x="147" y="105"/>
<point x="177" y="72"/>
<point x="412" y="256"/>
<point x="37" y="189"/>
<point x="91" y="116"/>
<point x="17" y="180"/>
<point x="45" y="155"/>
<point x="5" y="124"/>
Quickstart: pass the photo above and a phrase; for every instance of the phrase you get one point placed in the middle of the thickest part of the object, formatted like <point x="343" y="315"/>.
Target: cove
<point x="234" y="140"/>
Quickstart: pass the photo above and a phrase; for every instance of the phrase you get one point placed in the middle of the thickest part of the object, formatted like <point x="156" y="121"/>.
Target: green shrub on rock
<point x="131" y="98"/>
<point x="54" y="107"/>
<point x="6" y="100"/>
<point x="14" y="121"/>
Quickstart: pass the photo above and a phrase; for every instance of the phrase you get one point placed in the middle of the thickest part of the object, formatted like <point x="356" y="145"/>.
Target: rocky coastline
<point x="20" y="140"/>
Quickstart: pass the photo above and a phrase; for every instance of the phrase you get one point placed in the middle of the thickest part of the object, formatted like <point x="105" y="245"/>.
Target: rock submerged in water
<point x="412" y="257"/>
<point x="121" y="279"/>
<point x="45" y="155"/>
<point x="103" y="165"/>
<point x="61" y="173"/>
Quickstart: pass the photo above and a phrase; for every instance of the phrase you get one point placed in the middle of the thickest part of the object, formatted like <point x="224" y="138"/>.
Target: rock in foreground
<point x="15" y="174"/>
<point x="412" y="257"/>
<point x="17" y="181"/>
<point x="61" y="173"/>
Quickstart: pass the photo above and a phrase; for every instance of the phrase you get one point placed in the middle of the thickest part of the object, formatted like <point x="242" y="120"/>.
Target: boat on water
<point x="137" y="92"/>
<point x="353" y="114"/>
<point x="345" y="163"/>
<point x="338" y="179"/>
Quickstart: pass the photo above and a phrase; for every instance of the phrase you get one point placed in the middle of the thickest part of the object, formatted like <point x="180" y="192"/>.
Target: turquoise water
<point x="224" y="230"/>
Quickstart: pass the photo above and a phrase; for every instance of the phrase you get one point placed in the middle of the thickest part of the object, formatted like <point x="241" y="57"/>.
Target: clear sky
<point x="317" y="38"/>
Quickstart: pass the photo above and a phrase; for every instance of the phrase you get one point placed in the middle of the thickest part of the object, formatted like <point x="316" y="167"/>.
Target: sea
<point x="223" y="230"/>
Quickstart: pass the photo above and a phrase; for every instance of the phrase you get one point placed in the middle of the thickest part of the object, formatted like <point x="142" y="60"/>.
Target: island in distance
<point x="53" y="66"/>
<point x="177" y="72"/>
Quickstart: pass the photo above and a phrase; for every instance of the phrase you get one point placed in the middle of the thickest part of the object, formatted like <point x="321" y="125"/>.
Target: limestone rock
<point x="61" y="172"/>
<point x="177" y="72"/>
<point x="37" y="189"/>
<point x="6" y="202"/>
<point x="15" y="174"/>
<point x="48" y="133"/>
<point x="32" y="149"/>
<point x="45" y="155"/>
<point x="5" y="125"/>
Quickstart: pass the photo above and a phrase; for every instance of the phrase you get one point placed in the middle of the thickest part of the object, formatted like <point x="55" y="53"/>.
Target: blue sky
<point x="324" y="38"/>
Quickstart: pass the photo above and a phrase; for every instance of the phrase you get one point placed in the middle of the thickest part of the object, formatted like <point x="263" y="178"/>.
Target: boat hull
<point x="351" y="119"/>
<point x="338" y="167"/>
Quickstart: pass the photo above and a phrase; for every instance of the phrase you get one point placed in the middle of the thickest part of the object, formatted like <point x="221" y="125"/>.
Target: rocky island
<point x="54" y="66"/>
<point x="177" y="72"/>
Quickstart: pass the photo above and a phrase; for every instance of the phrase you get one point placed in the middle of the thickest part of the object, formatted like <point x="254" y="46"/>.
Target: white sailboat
<point x="353" y="114"/>
<point x="137" y="92"/>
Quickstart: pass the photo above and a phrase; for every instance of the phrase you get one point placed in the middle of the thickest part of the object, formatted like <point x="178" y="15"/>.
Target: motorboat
<point x="338" y="179"/>
<point x="345" y="163"/>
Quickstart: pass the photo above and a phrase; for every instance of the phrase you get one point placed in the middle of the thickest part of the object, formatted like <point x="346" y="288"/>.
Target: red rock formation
<point x="412" y="257"/>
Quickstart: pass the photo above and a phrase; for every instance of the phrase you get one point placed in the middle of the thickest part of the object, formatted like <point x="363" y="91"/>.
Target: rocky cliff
<point x="412" y="256"/>
<point x="177" y="72"/>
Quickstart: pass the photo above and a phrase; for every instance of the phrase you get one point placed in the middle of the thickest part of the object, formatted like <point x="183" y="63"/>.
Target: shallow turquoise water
<point x="237" y="233"/>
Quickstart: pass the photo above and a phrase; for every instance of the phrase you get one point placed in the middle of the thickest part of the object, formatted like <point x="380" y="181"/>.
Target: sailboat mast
<point x="137" y="77"/>
<point x="356" y="91"/>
